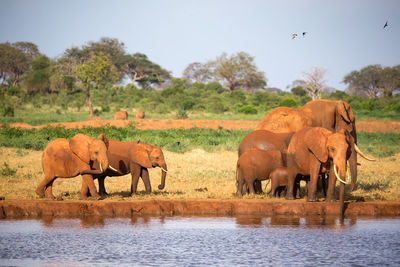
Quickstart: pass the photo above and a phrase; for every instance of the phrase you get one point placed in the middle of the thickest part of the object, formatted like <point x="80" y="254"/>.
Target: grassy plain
<point x="195" y="174"/>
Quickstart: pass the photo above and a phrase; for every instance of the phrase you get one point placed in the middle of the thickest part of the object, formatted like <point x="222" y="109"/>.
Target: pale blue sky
<point x="342" y="35"/>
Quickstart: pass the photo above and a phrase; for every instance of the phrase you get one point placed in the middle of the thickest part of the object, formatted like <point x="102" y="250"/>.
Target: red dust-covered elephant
<point x="135" y="158"/>
<point x="68" y="158"/>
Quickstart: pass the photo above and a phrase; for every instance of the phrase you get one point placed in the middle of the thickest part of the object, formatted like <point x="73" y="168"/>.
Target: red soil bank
<point x="77" y="208"/>
<point x="362" y="126"/>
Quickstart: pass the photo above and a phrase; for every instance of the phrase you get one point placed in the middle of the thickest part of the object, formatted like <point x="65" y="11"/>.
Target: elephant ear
<point x="103" y="138"/>
<point x="79" y="145"/>
<point x="345" y="111"/>
<point x="316" y="140"/>
<point x="140" y="154"/>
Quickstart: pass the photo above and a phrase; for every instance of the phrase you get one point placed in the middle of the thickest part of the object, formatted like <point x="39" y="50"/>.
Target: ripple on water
<point x="197" y="241"/>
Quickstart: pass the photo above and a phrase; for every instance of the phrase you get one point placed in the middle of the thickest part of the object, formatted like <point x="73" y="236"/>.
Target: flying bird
<point x="304" y="34"/>
<point x="386" y="24"/>
<point x="294" y="35"/>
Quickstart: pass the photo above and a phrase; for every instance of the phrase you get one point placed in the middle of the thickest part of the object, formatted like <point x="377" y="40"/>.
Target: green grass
<point x="176" y="140"/>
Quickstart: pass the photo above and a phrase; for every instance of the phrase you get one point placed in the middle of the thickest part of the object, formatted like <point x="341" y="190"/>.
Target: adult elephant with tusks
<point x="67" y="158"/>
<point x="316" y="150"/>
<point x="338" y="115"/>
<point x="133" y="157"/>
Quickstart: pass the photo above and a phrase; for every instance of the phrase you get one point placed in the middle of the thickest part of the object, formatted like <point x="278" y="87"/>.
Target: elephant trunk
<point x="353" y="167"/>
<point x="164" y="171"/>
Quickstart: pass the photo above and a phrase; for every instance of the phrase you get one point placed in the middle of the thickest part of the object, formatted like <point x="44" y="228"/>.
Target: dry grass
<point x="195" y="174"/>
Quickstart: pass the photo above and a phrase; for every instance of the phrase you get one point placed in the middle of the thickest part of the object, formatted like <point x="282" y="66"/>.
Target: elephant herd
<point x="288" y="145"/>
<point x="293" y="144"/>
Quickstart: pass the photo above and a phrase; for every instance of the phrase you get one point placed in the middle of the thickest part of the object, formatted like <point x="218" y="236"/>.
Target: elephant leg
<point x="323" y="183"/>
<point x="258" y="187"/>
<point x="41" y="188"/>
<point x="314" y="173"/>
<point x="239" y="188"/>
<point x="49" y="190"/>
<point x="331" y="186"/>
<point x="88" y="184"/>
<point x="146" y="179"/>
<point x="251" y="188"/>
<point x="297" y="188"/>
<point x="135" y="173"/>
<point x="290" y="186"/>
<point x="102" y="188"/>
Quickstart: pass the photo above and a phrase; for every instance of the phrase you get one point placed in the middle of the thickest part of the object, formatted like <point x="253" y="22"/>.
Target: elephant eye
<point x="333" y="149"/>
<point x="97" y="152"/>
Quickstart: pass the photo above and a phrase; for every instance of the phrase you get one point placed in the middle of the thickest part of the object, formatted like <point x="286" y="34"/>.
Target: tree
<point x="97" y="70"/>
<point x="63" y="74"/>
<point x="390" y="80"/>
<point x="112" y="48"/>
<point x="239" y="72"/>
<point x="198" y="73"/>
<point x="365" y="82"/>
<point x="313" y="82"/>
<point x="143" y="71"/>
<point x="13" y="63"/>
<point x="298" y="90"/>
<point x="37" y="80"/>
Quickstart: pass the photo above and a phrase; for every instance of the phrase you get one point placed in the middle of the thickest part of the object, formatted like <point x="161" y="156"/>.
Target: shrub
<point x="6" y="170"/>
<point x="247" y="109"/>
<point x="298" y="90"/>
<point x="181" y="114"/>
<point x="288" y="102"/>
<point x="105" y="108"/>
<point x="8" y="111"/>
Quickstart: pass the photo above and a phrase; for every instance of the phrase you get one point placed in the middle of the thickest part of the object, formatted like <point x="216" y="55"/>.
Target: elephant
<point x="286" y="120"/>
<point x="255" y="164"/>
<point x="279" y="181"/>
<point x="264" y="140"/>
<point x="338" y="115"/>
<point x="135" y="158"/>
<point x="121" y="115"/>
<point x="139" y="114"/>
<point x="316" y="150"/>
<point x="67" y="158"/>
<point x="330" y="114"/>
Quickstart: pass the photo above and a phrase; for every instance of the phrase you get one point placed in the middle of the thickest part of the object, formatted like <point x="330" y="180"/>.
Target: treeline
<point x="94" y="72"/>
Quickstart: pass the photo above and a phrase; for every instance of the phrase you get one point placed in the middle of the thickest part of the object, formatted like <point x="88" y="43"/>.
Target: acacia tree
<point x="96" y="71"/>
<point x="239" y="72"/>
<point x="314" y="83"/>
<point x="198" y="73"/>
<point x="15" y="60"/>
<point x="143" y="71"/>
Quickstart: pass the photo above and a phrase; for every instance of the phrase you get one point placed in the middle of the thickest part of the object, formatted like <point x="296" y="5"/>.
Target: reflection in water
<point x="168" y="241"/>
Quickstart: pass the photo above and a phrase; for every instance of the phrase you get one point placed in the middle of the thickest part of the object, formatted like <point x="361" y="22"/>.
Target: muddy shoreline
<point x="10" y="209"/>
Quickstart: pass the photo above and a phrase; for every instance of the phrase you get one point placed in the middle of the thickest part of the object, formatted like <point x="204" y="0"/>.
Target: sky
<point x="342" y="35"/>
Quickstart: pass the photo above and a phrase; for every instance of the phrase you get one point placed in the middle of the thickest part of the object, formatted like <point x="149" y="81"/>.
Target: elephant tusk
<point x="337" y="175"/>
<point x="362" y="154"/>
<point x="163" y="170"/>
<point x="112" y="168"/>
<point x="101" y="168"/>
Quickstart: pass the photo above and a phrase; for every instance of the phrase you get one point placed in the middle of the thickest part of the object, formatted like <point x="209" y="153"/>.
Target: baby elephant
<point x="255" y="164"/>
<point x="279" y="178"/>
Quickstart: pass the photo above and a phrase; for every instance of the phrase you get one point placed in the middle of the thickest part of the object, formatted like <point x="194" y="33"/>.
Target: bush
<point x="248" y="109"/>
<point x="288" y="102"/>
<point x="105" y="108"/>
<point x="298" y="90"/>
<point x="181" y="114"/>
<point x="8" y="111"/>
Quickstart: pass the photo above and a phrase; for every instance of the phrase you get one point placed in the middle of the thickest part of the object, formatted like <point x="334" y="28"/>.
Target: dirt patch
<point x="39" y="208"/>
<point x="362" y="126"/>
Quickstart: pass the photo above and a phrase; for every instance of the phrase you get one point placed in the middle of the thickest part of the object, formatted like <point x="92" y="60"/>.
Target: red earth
<point x="143" y="124"/>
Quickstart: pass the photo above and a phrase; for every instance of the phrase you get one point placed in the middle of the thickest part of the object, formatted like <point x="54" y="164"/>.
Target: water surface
<point x="201" y="241"/>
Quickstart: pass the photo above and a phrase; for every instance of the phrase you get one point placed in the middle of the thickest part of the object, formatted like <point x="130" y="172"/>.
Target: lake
<point x="201" y="241"/>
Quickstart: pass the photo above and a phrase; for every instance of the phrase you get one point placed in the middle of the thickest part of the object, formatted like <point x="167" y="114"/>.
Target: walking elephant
<point x="316" y="150"/>
<point x="255" y="164"/>
<point x="134" y="158"/>
<point x="67" y="158"/>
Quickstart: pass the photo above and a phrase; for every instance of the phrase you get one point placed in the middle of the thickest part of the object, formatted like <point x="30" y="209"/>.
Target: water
<point x="201" y="241"/>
